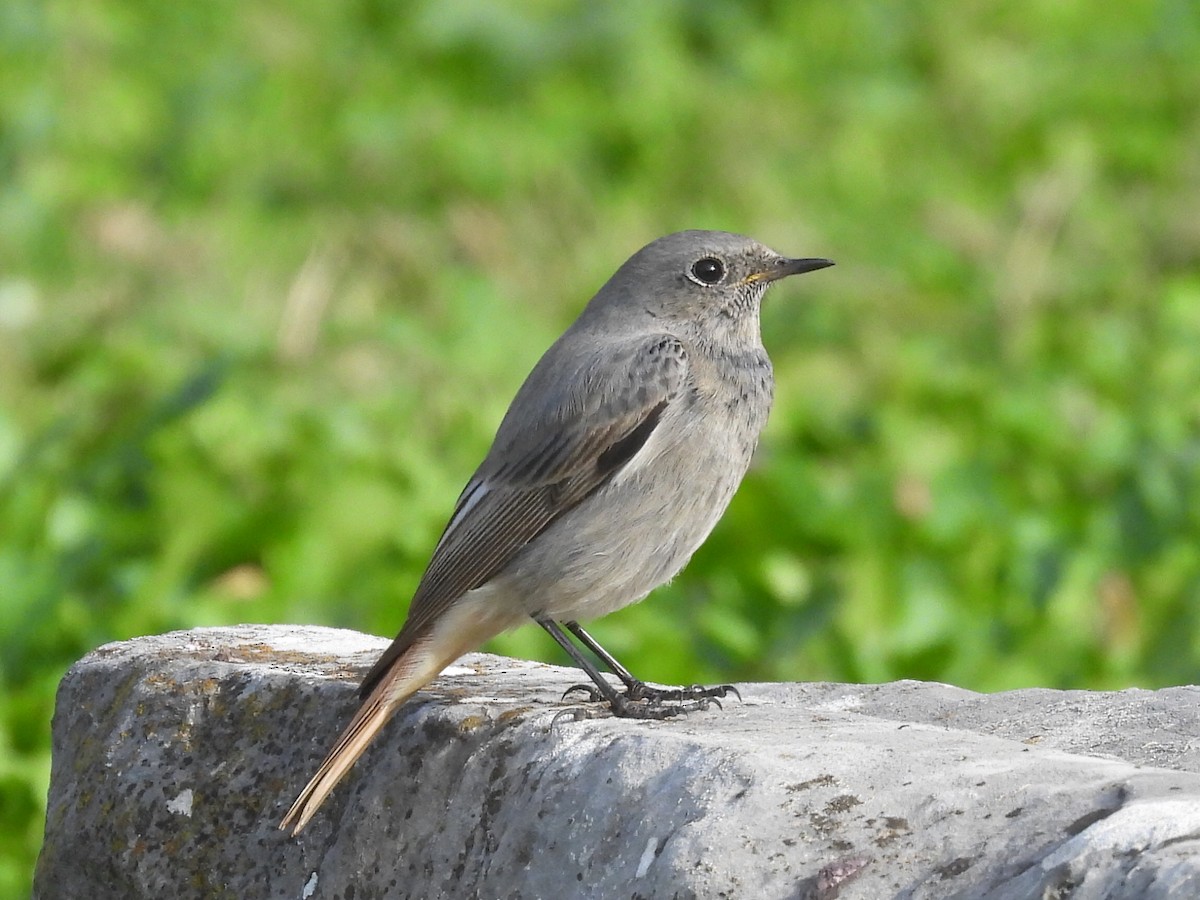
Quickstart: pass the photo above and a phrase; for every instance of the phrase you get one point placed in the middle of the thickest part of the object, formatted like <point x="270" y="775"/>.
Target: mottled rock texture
<point x="176" y="756"/>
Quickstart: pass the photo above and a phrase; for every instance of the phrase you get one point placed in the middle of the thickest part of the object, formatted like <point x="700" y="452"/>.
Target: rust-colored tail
<point x="408" y="674"/>
<point x="409" y="664"/>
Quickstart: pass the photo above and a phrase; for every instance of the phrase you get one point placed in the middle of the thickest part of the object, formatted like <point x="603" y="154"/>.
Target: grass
<point x="270" y="273"/>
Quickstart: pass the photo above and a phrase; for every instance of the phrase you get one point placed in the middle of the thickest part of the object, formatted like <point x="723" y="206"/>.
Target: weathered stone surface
<point x="176" y="756"/>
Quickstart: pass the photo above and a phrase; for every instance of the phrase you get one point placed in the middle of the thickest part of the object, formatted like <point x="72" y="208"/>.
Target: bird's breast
<point x="640" y="528"/>
<point x="695" y="459"/>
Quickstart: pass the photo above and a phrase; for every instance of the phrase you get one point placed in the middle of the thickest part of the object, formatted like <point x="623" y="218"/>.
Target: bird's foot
<point x="651" y="708"/>
<point x="639" y="690"/>
<point x="577" y="714"/>
<point x="640" y="701"/>
<point x="593" y="695"/>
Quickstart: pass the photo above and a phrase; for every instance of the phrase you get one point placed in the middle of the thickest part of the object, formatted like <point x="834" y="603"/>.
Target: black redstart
<point x="615" y="460"/>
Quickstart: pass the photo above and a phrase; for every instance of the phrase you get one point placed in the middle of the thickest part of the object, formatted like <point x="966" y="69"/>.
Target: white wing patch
<point x="475" y="492"/>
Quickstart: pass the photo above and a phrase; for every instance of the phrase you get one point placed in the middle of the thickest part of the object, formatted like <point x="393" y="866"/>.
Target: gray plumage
<point x="615" y="460"/>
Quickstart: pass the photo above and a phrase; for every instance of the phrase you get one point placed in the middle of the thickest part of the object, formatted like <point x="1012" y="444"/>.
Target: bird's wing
<point x="537" y="472"/>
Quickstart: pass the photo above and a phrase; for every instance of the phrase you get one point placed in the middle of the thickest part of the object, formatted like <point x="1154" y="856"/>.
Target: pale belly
<point x="637" y="531"/>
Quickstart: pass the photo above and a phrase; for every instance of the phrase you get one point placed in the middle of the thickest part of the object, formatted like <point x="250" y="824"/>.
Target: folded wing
<point x="539" y="470"/>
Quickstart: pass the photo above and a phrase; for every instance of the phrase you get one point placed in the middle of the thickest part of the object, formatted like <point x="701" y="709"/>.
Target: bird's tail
<point x="409" y="673"/>
<point x="474" y="618"/>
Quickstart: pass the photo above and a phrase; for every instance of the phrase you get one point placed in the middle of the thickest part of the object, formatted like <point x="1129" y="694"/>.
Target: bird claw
<point x="655" y="710"/>
<point x="593" y="695"/>
<point x="575" y="714"/>
<point x="641" y="691"/>
<point x="640" y="701"/>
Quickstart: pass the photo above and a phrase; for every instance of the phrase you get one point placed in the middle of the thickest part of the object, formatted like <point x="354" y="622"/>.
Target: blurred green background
<point x="271" y="271"/>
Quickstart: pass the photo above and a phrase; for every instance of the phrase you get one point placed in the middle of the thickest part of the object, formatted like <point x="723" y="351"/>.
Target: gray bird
<point x="615" y="460"/>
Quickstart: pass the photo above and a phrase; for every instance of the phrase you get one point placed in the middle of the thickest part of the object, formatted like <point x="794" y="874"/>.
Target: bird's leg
<point x="602" y="690"/>
<point x="620" y="704"/>
<point x="635" y="688"/>
<point x="638" y="701"/>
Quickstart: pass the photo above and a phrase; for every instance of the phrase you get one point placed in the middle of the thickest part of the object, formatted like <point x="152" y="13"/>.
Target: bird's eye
<point x="708" y="270"/>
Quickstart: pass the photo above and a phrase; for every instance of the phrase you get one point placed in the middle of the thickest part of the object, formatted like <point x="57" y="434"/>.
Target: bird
<point x="615" y="460"/>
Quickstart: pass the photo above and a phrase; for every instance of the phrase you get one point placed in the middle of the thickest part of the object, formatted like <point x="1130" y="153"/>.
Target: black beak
<point x="785" y="267"/>
<point x="797" y="267"/>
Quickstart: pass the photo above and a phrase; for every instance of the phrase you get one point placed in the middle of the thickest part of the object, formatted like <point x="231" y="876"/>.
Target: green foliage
<point x="269" y="274"/>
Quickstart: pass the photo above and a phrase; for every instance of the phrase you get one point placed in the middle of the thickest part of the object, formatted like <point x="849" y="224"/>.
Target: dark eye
<point x="708" y="270"/>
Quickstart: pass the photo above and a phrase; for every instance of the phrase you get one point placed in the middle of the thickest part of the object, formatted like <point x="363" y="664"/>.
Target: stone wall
<point x="176" y="756"/>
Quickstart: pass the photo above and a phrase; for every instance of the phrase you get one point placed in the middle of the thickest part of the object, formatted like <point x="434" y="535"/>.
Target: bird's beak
<point x="783" y="267"/>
